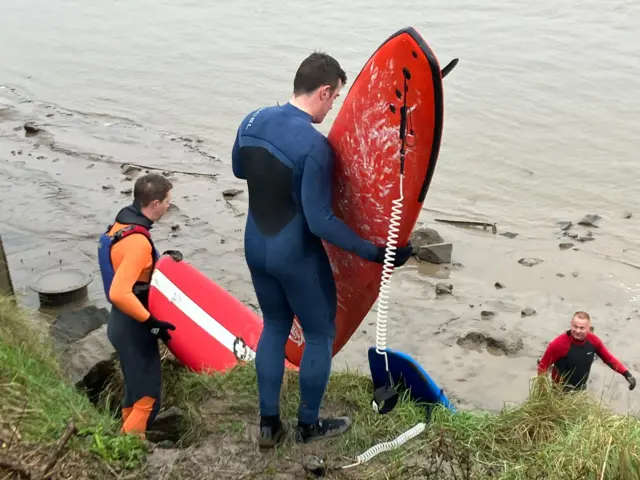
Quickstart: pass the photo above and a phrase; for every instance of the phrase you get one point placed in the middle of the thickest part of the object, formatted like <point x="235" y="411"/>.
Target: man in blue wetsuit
<point x="288" y="166"/>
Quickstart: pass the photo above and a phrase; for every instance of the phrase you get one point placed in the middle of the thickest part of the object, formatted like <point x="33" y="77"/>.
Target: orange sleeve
<point x="136" y="257"/>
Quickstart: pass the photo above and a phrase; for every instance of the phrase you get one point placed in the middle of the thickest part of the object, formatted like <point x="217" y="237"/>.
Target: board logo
<point x="241" y="351"/>
<point x="296" y="334"/>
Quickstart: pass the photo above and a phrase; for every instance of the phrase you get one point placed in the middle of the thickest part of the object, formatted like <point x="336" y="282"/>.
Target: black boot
<point x="271" y="432"/>
<point x="322" y="428"/>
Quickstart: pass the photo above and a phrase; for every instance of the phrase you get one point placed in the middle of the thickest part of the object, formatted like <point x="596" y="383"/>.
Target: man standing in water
<point x="127" y="256"/>
<point x="288" y="166"/>
<point x="571" y="353"/>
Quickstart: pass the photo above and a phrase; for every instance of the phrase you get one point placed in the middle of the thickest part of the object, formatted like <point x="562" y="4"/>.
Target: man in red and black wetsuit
<point x="571" y="353"/>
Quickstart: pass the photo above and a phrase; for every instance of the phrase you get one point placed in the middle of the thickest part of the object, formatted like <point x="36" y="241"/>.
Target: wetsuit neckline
<point x="132" y="215"/>
<point x="575" y="340"/>
<point x="291" y="108"/>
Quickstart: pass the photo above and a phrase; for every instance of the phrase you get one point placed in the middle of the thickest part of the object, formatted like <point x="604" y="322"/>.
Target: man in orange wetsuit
<point x="571" y="354"/>
<point x="127" y="257"/>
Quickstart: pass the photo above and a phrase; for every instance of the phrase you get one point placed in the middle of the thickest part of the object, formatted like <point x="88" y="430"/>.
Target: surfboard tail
<point x="406" y="374"/>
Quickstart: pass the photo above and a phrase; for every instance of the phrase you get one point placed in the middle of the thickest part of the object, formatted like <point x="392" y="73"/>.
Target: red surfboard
<point x="400" y="86"/>
<point x="214" y="330"/>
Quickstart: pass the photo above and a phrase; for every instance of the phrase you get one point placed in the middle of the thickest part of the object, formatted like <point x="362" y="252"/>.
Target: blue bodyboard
<point x="406" y="373"/>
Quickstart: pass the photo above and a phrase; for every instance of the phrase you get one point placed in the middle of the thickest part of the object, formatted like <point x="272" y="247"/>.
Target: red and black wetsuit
<point x="572" y="359"/>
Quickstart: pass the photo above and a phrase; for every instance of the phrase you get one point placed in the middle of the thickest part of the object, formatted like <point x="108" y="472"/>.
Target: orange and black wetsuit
<point x="126" y="272"/>
<point x="571" y="360"/>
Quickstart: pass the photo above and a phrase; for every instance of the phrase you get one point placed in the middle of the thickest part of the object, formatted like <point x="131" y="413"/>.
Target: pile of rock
<point x="87" y="358"/>
<point x="429" y="246"/>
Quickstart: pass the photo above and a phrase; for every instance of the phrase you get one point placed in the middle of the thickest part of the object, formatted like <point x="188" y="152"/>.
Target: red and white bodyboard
<point x="214" y="330"/>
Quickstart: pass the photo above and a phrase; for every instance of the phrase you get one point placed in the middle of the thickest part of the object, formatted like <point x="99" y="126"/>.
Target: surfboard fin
<point x="450" y="66"/>
<point x="385" y="399"/>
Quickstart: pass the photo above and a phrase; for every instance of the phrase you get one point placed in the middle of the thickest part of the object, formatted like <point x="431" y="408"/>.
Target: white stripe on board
<point x="200" y="317"/>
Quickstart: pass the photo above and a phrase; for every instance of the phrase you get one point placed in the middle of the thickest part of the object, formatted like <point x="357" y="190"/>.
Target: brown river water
<point x="541" y="126"/>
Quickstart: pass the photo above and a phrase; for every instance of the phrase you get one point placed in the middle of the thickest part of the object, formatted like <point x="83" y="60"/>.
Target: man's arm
<point x="606" y="356"/>
<point x="135" y="259"/>
<point x="551" y="355"/>
<point x="235" y="158"/>
<point x="317" y="181"/>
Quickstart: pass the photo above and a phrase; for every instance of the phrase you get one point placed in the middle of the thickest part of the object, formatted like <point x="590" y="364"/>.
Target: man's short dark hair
<point x="316" y="70"/>
<point x="150" y="187"/>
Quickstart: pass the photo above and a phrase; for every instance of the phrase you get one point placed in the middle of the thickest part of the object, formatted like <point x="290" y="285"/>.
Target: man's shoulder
<point x="255" y="112"/>
<point x="253" y="115"/>
<point x="562" y="338"/>
<point x="593" y="339"/>
<point x="319" y="146"/>
<point x="133" y="242"/>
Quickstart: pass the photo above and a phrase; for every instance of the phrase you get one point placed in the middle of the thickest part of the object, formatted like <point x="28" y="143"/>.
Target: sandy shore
<point x="61" y="187"/>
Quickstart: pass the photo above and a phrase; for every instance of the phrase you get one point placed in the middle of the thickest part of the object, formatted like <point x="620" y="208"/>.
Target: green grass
<point x="31" y="388"/>
<point x="36" y="404"/>
<point x="550" y="436"/>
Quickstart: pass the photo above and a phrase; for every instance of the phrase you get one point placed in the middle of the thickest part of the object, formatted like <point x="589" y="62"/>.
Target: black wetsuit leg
<point x="139" y="356"/>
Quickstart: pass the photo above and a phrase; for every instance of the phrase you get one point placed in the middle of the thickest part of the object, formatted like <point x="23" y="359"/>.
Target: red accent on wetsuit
<point x="572" y="359"/>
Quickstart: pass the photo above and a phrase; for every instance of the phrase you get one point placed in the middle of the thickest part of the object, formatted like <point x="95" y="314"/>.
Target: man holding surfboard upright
<point x="288" y="166"/>
<point x="126" y="255"/>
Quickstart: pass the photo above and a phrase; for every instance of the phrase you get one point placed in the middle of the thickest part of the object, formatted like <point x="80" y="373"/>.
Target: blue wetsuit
<point x="288" y="166"/>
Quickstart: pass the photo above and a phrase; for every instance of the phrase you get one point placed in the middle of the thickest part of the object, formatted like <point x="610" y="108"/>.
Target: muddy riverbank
<point x="61" y="186"/>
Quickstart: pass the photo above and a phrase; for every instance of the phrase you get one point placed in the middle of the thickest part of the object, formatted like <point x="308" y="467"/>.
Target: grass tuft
<point x="36" y="404"/>
<point x="551" y="435"/>
<point x="32" y="392"/>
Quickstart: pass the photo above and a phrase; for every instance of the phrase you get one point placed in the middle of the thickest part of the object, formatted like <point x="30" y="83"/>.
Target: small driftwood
<point x="470" y="223"/>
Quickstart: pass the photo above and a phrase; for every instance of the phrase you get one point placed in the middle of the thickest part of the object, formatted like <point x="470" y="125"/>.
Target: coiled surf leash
<point x="318" y="467"/>
<point x="386" y="397"/>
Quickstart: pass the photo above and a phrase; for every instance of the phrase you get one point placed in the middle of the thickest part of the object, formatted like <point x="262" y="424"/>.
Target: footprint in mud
<point x="456" y="361"/>
<point x="195" y="222"/>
